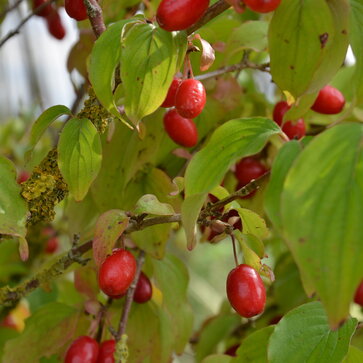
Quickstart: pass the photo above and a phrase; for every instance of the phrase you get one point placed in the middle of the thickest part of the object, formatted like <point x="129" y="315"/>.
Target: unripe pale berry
<point x="107" y="349"/>
<point x="143" y="291"/>
<point x="170" y="97"/>
<point x="181" y="130"/>
<point x="190" y="98"/>
<point x="329" y="101"/>
<point x="117" y="273"/>
<point x="76" y="9"/>
<point x="245" y="291"/>
<point x="180" y="14"/>
<point x="84" y="349"/>
<point x="262" y="6"/>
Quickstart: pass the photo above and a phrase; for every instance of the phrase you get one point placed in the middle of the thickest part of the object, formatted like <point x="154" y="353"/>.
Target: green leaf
<point x="13" y="209"/>
<point x="231" y="141"/>
<point x="303" y="335"/>
<point x="150" y="204"/>
<point x="46" y="331"/>
<point x="324" y="26"/>
<point x="148" y="63"/>
<point x="42" y="123"/>
<point x="109" y="227"/>
<point x="254" y="347"/>
<point x="79" y="155"/>
<point x="252" y="223"/>
<point x="281" y="166"/>
<point x="355" y="355"/>
<point x="322" y="215"/>
<point x="217" y="358"/>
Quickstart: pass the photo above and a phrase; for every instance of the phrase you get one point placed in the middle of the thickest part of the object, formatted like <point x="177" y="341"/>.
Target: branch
<point x="95" y="16"/>
<point x="10" y="8"/>
<point x="218" y="8"/>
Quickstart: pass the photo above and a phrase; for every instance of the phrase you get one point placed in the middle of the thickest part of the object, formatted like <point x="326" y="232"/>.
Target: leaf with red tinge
<point x="109" y="227"/>
<point x="208" y="54"/>
<point x="85" y="281"/>
<point x="23" y="249"/>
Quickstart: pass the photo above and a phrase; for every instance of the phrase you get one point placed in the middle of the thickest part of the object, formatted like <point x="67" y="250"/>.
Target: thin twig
<point x="95" y="16"/>
<point x="233" y="239"/>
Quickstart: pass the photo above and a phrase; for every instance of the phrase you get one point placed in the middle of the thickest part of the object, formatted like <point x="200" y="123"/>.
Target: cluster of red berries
<point x="86" y="350"/>
<point x="189" y="98"/>
<point x="330" y="101"/>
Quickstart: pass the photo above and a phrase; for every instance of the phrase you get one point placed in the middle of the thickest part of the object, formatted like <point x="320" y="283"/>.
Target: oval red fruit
<point x="279" y="111"/>
<point x="245" y="291"/>
<point x="84" y="349"/>
<point x="144" y="290"/>
<point x="247" y="169"/>
<point x="190" y="98"/>
<point x="170" y="97"/>
<point x="329" y="101"/>
<point x="107" y="349"/>
<point x="262" y="6"/>
<point x="358" y="297"/>
<point x="117" y="273"/>
<point x="76" y="9"/>
<point x="180" y="14"/>
<point x="46" y="10"/>
<point x="294" y="129"/>
<point x="52" y="245"/>
<point x="55" y="26"/>
<point x="181" y="130"/>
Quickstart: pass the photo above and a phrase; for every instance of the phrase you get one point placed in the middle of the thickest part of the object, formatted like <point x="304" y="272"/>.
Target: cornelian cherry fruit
<point x="144" y="290"/>
<point x="51" y="245"/>
<point x="248" y="169"/>
<point x="279" y="111"/>
<point x="330" y="101"/>
<point x="117" y="273"/>
<point x="358" y="297"/>
<point x="181" y="130"/>
<point x="170" y="97"/>
<point x="262" y="6"/>
<point x="294" y="129"/>
<point x="46" y="10"/>
<point x="76" y="9"/>
<point x="180" y="14"/>
<point x="190" y="98"/>
<point x="245" y="291"/>
<point x="55" y="25"/>
<point x="84" y="349"/>
<point x="107" y="349"/>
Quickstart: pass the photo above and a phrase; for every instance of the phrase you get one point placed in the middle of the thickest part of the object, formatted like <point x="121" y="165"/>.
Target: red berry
<point x="245" y="291"/>
<point x="329" y="101"/>
<point x="9" y="322"/>
<point x="23" y="176"/>
<point x="144" y="290"/>
<point x="248" y="169"/>
<point x="84" y="349"/>
<point x="76" y="9"/>
<point x="190" y="98"/>
<point x="294" y="130"/>
<point x="46" y="10"/>
<point x="55" y="25"/>
<point x="262" y="6"/>
<point x="181" y="130"/>
<point x="52" y="245"/>
<point x="279" y="111"/>
<point x="117" y="273"/>
<point x="180" y="14"/>
<point x="170" y="97"/>
<point x="107" y="349"/>
<point x="232" y="351"/>
<point x="358" y="298"/>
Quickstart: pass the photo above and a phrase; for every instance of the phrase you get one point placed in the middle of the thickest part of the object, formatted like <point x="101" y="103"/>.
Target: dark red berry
<point x="279" y="111"/>
<point x="107" y="349"/>
<point x="245" y="291"/>
<point x="190" y="98"/>
<point x="262" y="6"/>
<point x="52" y="245"/>
<point x="181" y="130"/>
<point x="84" y="349"/>
<point x="275" y="320"/>
<point x="144" y="290"/>
<point x="294" y="129"/>
<point x="46" y="10"/>
<point x="358" y="297"/>
<point x="55" y="25"/>
<point x="232" y="351"/>
<point x="180" y="14"/>
<point x="329" y="101"/>
<point x="23" y="176"/>
<point x="247" y="169"/>
<point x="170" y="97"/>
<point x="76" y="9"/>
<point x="117" y="273"/>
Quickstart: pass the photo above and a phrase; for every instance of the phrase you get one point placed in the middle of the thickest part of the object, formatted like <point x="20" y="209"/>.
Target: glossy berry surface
<point x="294" y="130"/>
<point x="190" y="98"/>
<point x="144" y="290"/>
<point x="245" y="291"/>
<point x="51" y="245"/>
<point x="46" y="10"/>
<point x="170" y="97"/>
<point x="117" y="273"/>
<point x="247" y="169"/>
<point x="181" y="130"/>
<point x="84" y="349"/>
<point x="76" y="9"/>
<point x="330" y="101"/>
<point x="55" y="26"/>
<point x="279" y="111"/>
<point x="107" y="349"/>
<point x="358" y="297"/>
<point x="262" y="6"/>
<point x="180" y="14"/>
